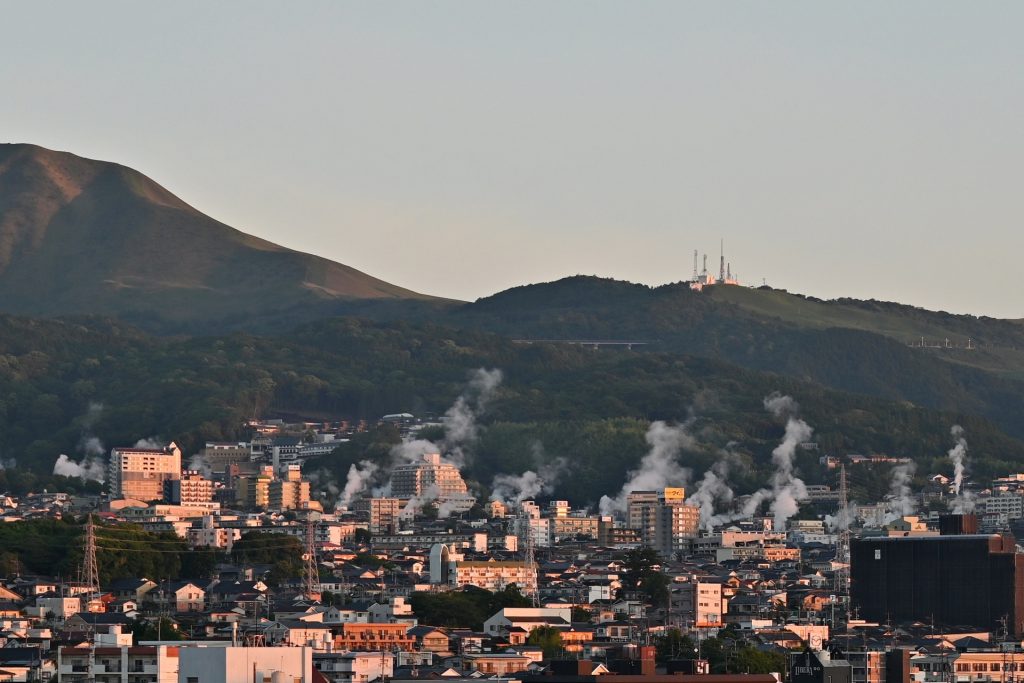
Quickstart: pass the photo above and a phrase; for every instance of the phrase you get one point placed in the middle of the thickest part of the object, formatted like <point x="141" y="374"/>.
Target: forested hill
<point x="62" y="382"/>
<point x="854" y="346"/>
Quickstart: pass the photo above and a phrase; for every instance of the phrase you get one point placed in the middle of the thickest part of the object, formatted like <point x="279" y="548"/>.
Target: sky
<point x="863" y="149"/>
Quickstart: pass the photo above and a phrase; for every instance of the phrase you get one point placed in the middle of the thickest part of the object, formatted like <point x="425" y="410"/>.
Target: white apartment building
<point x="140" y="473"/>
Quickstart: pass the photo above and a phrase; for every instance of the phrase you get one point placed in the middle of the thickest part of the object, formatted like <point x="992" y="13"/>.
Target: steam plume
<point x="358" y="480"/>
<point x="658" y="468"/>
<point x="787" y="489"/>
<point x="963" y="501"/>
<point x="91" y="468"/>
<point x="460" y="420"/>
<point x="510" y="488"/>
<point x="902" y="502"/>
<point x="713" y="489"/>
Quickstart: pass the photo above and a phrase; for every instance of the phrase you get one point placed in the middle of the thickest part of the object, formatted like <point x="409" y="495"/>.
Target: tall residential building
<point x="254" y="491"/>
<point x="191" y="490"/>
<point x="430" y="475"/>
<point x="290" y="492"/>
<point x="663" y="519"/>
<point x="383" y="513"/>
<point x="140" y="473"/>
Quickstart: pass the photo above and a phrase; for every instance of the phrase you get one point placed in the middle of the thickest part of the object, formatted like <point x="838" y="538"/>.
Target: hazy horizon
<point x="866" y="150"/>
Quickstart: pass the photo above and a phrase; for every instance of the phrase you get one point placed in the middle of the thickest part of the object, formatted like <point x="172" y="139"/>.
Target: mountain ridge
<point x="83" y="235"/>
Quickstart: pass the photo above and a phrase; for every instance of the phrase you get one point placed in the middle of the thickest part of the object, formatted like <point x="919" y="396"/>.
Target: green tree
<point x="642" y="572"/>
<point x="548" y="638"/>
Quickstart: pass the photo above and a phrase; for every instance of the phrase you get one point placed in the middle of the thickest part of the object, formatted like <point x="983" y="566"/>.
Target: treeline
<point x="55" y="547"/>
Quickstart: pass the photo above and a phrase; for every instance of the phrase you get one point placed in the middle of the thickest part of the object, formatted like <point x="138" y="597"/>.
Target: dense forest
<point x="67" y="386"/>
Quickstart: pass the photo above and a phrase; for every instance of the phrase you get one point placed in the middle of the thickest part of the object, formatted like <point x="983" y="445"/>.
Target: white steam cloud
<point x="901" y="498"/>
<point x="460" y="427"/>
<point x="713" y="491"/>
<point x="201" y="465"/>
<point x="658" y="468"/>
<point x="358" y="480"/>
<point x="963" y="501"/>
<point x="150" y="442"/>
<point x="514" y="489"/>
<point x="461" y="431"/>
<point x="787" y="490"/>
<point x="91" y="468"/>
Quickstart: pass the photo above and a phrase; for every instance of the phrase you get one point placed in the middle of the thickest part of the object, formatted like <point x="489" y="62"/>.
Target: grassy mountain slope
<point x="78" y="235"/>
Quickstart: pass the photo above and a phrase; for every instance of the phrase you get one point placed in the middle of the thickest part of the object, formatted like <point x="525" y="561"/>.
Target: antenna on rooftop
<point x="694" y="265"/>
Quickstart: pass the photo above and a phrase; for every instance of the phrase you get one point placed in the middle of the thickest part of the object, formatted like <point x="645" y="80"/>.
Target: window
<point x="192" y="679"/>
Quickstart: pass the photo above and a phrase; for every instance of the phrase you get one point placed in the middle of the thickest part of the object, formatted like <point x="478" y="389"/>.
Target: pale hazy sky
<point x="867" y="149"/>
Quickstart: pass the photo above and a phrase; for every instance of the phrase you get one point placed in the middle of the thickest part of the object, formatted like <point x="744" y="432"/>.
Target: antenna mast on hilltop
<point x="721" y="263"/>
<point x="312" y="572"/>
<point x="694" y="265"/>
<point x="842" y="573"/>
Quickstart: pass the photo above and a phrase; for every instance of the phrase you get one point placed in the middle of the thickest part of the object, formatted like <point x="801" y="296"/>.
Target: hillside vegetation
<point x="62" y="382"/>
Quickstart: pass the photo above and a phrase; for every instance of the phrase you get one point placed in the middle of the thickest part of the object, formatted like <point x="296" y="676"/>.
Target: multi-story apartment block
<point x="663" y="519"/>
<point x="383" y="513"/>
<point x="415" y="479"/>
<point x="290" y="492"/>
<point x="117" y="664"/>
<point x="140" y="473"/>
<point x="374" y="637"/>
<point x="191" y="490"/>
<point x="253" y="492"/>
<point x="449" y="567"/>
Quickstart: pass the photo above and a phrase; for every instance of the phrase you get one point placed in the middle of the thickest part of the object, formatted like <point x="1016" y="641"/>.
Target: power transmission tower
<point x="842" y="572"/>
<point x="529" y="559"/>
<point x="91" y="577"/>
<point x="312" y="572"/>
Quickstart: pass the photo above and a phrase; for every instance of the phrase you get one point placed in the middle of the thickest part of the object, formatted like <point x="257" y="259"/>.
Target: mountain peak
<point x="80" y="235"/>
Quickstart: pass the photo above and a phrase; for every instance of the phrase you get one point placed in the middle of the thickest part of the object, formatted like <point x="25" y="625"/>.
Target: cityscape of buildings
<point x="889" y="595"/>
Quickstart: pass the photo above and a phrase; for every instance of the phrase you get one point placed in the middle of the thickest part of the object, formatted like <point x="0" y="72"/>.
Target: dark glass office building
<point x="961" y="581"/>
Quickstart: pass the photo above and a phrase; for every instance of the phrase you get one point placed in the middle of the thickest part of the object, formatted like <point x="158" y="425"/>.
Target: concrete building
<point x="699" y="601"/>
<point x="192" y="489"/>
<point x="448" y="567"/>
<point x="219" y="455"/>
<point x="383" y="513"/>
<point x="964" y="580"/>
<point x="140" y="473"/>
<point x="354" y="667"/>
<point x="415" y="479"/>
<point x="200" y="664"/>
<point x="119" y="664"/>
<point x="290" y="492"/>
<point x="663" y="519"/>
<point x="253" y="491"/>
